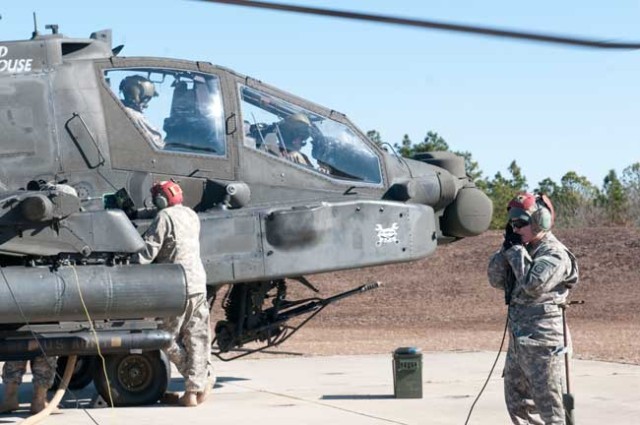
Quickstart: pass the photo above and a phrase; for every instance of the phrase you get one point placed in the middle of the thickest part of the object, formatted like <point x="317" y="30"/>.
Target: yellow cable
<point x="95" y="335"/>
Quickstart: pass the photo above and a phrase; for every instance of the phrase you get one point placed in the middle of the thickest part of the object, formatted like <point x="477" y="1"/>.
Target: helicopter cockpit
<point x="293" y="133"/>
<point x="187" y="104"/>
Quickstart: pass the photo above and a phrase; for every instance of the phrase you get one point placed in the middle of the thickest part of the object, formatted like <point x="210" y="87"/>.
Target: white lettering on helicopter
<point x="13" y="65"/>
<point x="387" y="235"/>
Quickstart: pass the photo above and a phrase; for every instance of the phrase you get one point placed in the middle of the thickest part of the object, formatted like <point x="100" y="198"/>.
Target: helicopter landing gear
<point x="133" y="379"/>
<point x="82" y="373"/>
<point x="258" y="312"/>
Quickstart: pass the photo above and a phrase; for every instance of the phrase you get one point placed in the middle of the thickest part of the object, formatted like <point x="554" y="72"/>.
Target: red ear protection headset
<point x="538" y="207"/>
<point x="166" y="194"/>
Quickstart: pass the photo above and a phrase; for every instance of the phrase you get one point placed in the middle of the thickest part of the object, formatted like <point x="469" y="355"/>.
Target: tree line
<point x="577" y="201"/>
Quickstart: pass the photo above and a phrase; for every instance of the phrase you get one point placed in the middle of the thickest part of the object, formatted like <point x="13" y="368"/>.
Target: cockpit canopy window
<point x="176" y="110"/>
<point x="307" y="139"/>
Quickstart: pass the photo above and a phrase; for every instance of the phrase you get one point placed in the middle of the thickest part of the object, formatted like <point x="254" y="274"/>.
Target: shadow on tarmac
<point x="357" y="397"/>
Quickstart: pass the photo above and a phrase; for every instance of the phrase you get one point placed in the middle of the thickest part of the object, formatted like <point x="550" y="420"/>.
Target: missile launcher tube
<point x="42" y="295"/>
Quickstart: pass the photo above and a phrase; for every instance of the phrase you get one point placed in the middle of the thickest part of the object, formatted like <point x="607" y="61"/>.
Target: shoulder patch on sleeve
<point x="544" y="267"/>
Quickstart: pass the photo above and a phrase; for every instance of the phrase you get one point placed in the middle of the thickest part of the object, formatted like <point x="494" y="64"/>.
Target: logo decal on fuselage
<point x="387" y="234"/>
<point x="13" y="66"/>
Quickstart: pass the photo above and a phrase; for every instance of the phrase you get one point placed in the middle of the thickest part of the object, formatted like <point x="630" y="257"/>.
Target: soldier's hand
<point x="511" y="238"/>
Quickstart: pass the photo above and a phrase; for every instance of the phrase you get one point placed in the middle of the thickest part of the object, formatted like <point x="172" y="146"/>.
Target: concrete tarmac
<point x="359" y="390"/>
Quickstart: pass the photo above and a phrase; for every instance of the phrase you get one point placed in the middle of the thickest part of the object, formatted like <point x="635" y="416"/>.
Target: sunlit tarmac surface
<point x="359" y="390"/>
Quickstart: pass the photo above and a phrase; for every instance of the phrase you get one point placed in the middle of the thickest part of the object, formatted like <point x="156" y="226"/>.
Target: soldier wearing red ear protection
<point x="174" y="237"/>
<point x="536" y="272"/>
<point x="166" y="194"/>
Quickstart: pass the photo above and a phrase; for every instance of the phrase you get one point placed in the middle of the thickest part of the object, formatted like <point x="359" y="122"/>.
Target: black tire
<point x="82" y="374"/>
<point x="135" y="379"/>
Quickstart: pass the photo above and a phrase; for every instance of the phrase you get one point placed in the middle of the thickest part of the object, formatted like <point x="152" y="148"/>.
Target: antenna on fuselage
<point x="34" y="34"/>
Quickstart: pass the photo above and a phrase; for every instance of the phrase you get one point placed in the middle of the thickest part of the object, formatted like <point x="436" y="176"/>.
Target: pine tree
<point x="501" y="190"/>
<point x="614" y="199"/>
<point x="375" y="137"/>
<point x="573" y="200"/>
<point x="631" y="183"/>
<point x="405" y="149"/>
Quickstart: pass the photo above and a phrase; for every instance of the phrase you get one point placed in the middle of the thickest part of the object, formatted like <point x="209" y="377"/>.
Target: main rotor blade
<point x="469" y="29"/>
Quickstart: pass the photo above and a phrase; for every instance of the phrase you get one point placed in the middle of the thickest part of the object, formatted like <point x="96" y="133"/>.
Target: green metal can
<point x="407" y="372"/>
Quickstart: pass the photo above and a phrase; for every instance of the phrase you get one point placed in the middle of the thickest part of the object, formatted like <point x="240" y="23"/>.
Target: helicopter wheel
<point x="224" y="335"/>
<point x="134" y="379"/>
<point x="82" y="373"/>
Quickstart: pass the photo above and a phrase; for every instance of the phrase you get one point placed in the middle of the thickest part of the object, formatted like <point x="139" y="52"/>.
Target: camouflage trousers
<point x="190" y="347"/>
<point x="43" y="370"/>
<point x="533" y="384"/>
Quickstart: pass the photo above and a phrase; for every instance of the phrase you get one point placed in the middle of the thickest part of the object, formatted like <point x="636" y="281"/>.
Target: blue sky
<point x="552" y="109"/>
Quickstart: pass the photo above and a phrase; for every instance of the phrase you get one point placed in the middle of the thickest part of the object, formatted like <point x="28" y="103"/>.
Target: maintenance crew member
<point x="43" y="370"/>
<point x="174" y="237"/>
<point x="537" y="271"/>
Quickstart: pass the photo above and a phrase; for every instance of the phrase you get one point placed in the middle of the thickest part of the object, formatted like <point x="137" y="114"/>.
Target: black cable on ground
<point x="495" y="362"/>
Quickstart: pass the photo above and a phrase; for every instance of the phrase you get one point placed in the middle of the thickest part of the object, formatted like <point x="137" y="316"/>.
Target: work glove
<point x="511" y="238"/>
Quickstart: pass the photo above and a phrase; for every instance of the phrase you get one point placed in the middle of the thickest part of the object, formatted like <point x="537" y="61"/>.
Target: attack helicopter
<point x="284" y="188"/>
<point x="77" y="165"/>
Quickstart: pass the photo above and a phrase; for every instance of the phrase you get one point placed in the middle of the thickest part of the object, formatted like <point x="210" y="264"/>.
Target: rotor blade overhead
<point x="469" y="29"/>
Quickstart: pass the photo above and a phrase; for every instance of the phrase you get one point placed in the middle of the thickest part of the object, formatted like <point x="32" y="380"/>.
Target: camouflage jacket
<point x="174" y="237"/>
<point x="298" y="158"/>
<point x="149" y="129"/>
<point x="543" y="272"/>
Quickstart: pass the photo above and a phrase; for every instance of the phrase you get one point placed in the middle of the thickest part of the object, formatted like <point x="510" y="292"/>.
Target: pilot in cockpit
<point x="137" y="91"/>
<point x="287" y="137"/>
<point x="295" y="130"/>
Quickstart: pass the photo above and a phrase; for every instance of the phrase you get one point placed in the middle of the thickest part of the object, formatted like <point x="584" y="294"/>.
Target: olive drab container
<point x="407" y="372"/>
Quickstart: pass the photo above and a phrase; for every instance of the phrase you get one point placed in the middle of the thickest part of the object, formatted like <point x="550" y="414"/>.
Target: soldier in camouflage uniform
<point x="137" y="92"/>
<point x="43" y="370"/>
<point x="295" y="130"/>
<point x="174" y="237"/>
<point x="536" y="270"/>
